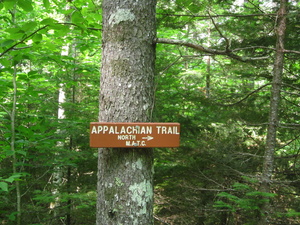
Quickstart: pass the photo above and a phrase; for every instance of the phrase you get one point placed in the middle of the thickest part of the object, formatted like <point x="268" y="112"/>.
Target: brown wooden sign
<point x="134" y="135"/>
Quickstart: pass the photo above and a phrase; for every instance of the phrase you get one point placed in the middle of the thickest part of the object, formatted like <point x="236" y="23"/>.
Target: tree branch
<point x="220" y="33"/>
<point x="33" y="33"/>
<point x="208" y="50"/>
<point x="288" y="143"/>
<point x="291" y="86"/>
<point x="6" y="110"/>
<point x="252" y="47"/>
<point x="289" y="125"/>
<point x="247" y="96"/>
<point x="217" y="16"/>
<point x="19" y="42"/>
<point x="291" y="51"/>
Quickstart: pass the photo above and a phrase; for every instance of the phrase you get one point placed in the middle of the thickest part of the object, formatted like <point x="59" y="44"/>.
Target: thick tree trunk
<point x="268" y="164"/>
<point x="125" y="176"/>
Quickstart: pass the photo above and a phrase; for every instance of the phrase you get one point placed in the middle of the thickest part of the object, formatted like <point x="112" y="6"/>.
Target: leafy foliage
<point x="222" y="105"/>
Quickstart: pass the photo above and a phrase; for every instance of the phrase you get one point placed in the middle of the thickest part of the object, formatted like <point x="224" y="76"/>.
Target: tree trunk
<point x="208" y="67"/>
<point x="125" y="176"/>
<point x="13" y="147"/>
<point x="13" y="134"/>
<point x="58" y="170"/>
<point x="268" y="164"/>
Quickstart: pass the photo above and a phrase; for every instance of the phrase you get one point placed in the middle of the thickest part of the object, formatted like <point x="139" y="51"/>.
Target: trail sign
<point x="134" y="135"/>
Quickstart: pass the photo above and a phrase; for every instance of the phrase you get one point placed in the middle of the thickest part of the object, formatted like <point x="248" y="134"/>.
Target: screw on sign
<point x="134" y="135"/>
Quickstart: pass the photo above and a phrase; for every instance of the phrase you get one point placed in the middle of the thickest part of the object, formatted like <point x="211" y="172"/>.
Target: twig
<point x="220" y="33"/>
<point x="247" y="96"/>
<point x="24" y="39"/>
<point x="6" y="110"/>
<point x="36" y="31"/>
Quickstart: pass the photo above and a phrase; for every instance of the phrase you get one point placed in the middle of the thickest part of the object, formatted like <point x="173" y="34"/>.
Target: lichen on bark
<point x="121" y="15"/>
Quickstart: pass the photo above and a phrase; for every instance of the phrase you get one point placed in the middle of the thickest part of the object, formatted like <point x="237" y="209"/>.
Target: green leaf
<point x="29" y="26"/>
<point x="10" y="179"/>
<point x="61" y="30"/>
<point x="78" y="19"/>
<point x="22" y="152"/>
<point x="12" y="216"/>
<point x="9" y="4"/>
<point x="26" y="5"/>
<point x="6" y="43"/>
<point x="4" y="186"/>
<point x="15" y="33"/>
<point x="46" y="4"/>
<point x="37" y="37"/>
<point x="48" y="21"/>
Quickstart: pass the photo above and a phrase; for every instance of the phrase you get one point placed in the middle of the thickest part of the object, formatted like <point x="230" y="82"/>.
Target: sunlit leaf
<point x="9" y="4"/>
<point x="29" y="26"/>
<point x="37" y="37"/>
<point x="46" y="4"/>
<point x="6" y="43"/>
<point x="26" y="5"/>
<point x="4" y="186"/>
<point x="48" y="21"/>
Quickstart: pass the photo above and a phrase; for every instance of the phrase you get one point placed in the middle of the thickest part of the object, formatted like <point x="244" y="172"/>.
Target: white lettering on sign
<point x="167" y="130"/>
<point x="135" y="143"/>
<point x="121" y="130"/>
<point x="126" y="137"/>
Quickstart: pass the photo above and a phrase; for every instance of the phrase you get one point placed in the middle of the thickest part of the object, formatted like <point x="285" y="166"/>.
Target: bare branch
<point x="218" y="16"/>
<point x="289" y="125"/>
<point x="247" y="96"/>
<point x="253" y="47"/>
<point x="220" y="33"/>
<point x="208" y="50"/>
<point x="249" y="154"/>
<point x="291" y="51"/>
<point x="291" y="86"/>
<point x="160" y="220"/>
<point x="288" y="143"/>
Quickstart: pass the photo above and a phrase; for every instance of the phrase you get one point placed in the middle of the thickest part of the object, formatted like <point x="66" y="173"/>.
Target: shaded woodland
<point x="226" y="70"/>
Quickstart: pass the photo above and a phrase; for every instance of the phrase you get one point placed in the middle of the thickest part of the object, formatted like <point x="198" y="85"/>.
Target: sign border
<point x="161" y="138"/>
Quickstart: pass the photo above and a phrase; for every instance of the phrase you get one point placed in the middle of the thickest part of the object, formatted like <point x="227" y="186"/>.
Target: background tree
<point x="237" y="90"/>
<point x="268" y="163"/>
<point x="32" y="44"/>
<point x="214" y="176"/>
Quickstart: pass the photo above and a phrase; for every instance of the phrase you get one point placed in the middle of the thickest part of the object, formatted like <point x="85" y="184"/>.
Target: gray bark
<point x="268" y="165"/>
<point x="125" y="176"/>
